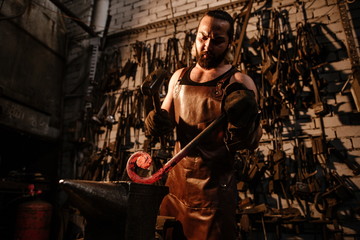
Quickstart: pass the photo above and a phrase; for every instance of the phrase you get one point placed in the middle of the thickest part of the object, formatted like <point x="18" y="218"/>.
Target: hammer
<point x="152" y="84"/>
<point x="151" y="87"/>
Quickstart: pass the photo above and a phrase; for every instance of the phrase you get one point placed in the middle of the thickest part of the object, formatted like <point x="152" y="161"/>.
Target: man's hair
<point x="220" y="14"/>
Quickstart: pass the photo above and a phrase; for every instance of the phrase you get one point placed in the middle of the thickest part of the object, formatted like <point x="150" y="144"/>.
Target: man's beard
<point x="210" y="61"/>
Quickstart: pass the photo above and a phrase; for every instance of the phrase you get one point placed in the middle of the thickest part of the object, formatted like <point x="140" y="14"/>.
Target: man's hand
<point x="241" y="108"/>
<point x="158" y="123"/>
<point x="242" y="111"/>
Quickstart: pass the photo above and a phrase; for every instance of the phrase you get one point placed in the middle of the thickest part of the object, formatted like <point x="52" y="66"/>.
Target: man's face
<point x="212" y="42"/>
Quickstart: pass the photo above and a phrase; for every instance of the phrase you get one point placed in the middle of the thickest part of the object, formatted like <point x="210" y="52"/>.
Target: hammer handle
<point x="156" y="102"/>
<point x="157" y="106"/>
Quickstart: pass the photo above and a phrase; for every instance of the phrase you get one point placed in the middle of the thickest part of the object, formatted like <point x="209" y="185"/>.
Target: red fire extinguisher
<point x="33" y="219"/>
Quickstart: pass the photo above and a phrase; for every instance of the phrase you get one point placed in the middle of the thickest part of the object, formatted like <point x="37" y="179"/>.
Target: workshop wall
<point x="137" y="26"/>
<point x="31" y="64"/>
<point x="31" y="97"/>
<point x="341" y="125"/>
<point x="32" y="59"/>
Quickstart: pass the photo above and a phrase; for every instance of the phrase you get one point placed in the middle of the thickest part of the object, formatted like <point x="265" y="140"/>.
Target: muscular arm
<point x="249" y="83"/>
<point x="246" y="81"/>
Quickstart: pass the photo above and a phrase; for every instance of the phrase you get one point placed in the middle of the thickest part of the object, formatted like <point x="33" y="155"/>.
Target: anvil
<point x="116" y="210"/>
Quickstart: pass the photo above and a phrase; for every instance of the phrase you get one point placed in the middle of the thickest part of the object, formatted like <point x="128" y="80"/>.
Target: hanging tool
<point x="237" y="57"/>
<point x="352" y="52"/>
<point x="186" y="58"/>
<point x="172" y="55"/>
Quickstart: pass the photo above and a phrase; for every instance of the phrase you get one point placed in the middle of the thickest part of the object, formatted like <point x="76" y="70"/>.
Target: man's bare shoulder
<point x="246" y="80"/>
<point x="242" y="78"/>
<point x="167" y="103"/>
<point x="176" y="75"/>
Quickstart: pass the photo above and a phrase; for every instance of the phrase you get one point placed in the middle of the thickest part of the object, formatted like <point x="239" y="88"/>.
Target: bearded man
<point x="202" y="189"/>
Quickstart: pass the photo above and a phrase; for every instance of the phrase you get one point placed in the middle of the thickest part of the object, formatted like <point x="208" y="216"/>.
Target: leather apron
<point x="202" y="187"/>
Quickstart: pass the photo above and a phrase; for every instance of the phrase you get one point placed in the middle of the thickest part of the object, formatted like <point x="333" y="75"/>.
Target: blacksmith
<point x="202" y="186"/>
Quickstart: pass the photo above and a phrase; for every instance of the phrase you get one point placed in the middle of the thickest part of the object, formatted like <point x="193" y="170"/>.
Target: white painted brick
<point x="356" y="142"/>
<point x="316" y="4"/>
<point x="342" y="169"/>
<point x="298" y="17"/>
<point x="204" y="3"/>
<point x="192" y="25"/>
<point x="347" y="143"/>
<point x="152" y="17"/>
<point x="341" y="144"/>
<point x="348" y="131"/>
<point x="157" y="35"/>
<point x="355" y="154"/>
<point x="153" y="31"/>
<point x="196" y="9"/>
<point x="323" y="10"/>
<point x="345" y="108"/>
<point x="214" y="4"/>
<point x="141" y="14"/>
<point x="158" y="9"/>
<point x="335" y="121"/>
<point x="251" y="28"/>
<point x="309" y="14"/>
<point x="164" y="13"/>
<point x="284" y="2"/>
<point x="128" y="15"/>
<point x="144" y="21"/>
<point x="130" y="2"/>
<point x="127" y="9"/>
<point x="288" y="147"/>
<point x="129" y="24"/>
<point x="178" y="14"/>
<point x="116" y="5"/>
<point x="162" y="2"/>
<point x="342" y="98"/>
<point x="334" y="17"/>
<point x="339" y="66"/>
<point x="178" y="3"/>
<point x="151" y="5"/>
<point x="114" y="12"/>
<point x="306" y="126"/>
<point x="141" y="3"/>
<point x="292" y="10"/>
<point x="316" y="132"/>
<point x="185" y="7"/>
<point x="335" y="27"/>
<point x="330" y="133"/>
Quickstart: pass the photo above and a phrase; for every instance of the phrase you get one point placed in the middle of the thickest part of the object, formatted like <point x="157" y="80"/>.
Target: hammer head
<point x="154" y="81"/>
